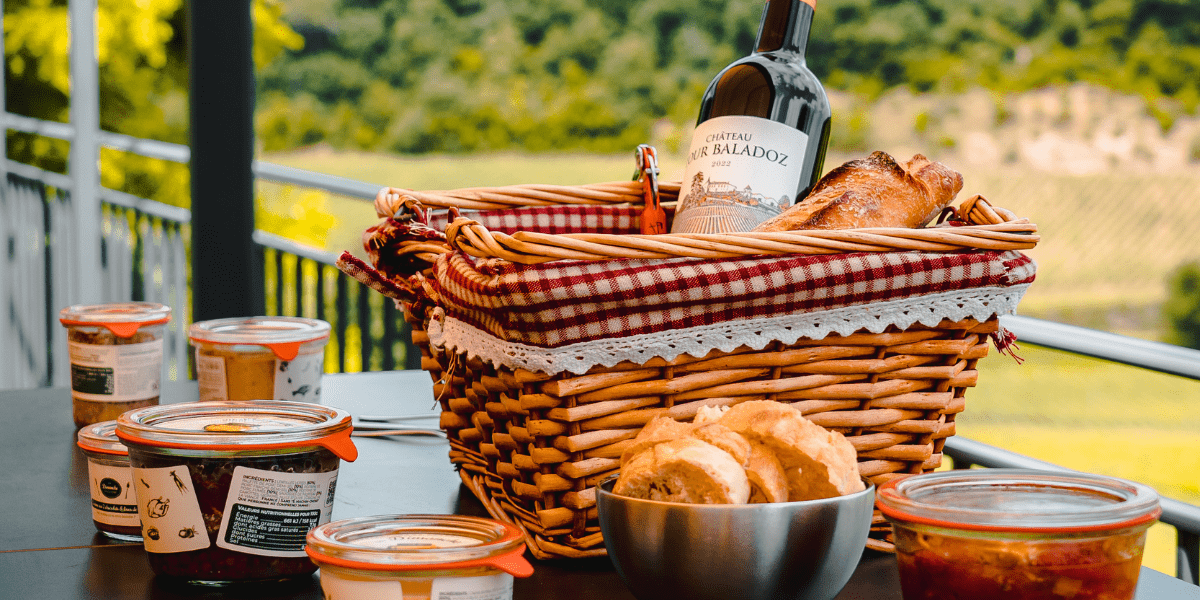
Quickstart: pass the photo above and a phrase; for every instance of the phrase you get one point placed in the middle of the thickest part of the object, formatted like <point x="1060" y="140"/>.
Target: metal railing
<point x="145" y="255"/>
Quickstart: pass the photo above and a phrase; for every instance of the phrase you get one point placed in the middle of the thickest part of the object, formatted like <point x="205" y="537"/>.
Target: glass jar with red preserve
<point x="227" y="491"/>
<point x="1018" y="534"/>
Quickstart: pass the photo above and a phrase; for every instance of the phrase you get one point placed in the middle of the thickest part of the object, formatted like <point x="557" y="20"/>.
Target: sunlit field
<point x="1108" y="244"/>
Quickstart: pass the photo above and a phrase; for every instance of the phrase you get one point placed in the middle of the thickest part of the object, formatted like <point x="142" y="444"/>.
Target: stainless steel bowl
<point x="784" y="550"/>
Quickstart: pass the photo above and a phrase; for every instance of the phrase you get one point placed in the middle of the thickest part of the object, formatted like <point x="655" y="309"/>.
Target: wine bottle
<point x="760" y="140"/>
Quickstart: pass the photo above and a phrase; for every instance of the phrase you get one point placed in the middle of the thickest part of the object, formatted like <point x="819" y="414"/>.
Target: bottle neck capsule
<point x="785" y="27"/>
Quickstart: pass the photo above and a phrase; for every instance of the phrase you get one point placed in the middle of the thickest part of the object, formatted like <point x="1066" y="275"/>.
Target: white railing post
<point x="8" y="368"/>
<point x="84" y="166"/>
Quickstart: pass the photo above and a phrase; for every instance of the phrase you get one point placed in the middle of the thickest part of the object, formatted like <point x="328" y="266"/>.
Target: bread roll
<point x="818" y="463"/>
<point x="873" y="192"/>
<point x="684" y="470"/>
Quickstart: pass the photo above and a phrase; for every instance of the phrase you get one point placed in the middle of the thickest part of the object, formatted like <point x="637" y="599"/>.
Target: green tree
<point x="143" y="82"/>
<point x="465" y="75"/>
<point x="1182" y="308"/>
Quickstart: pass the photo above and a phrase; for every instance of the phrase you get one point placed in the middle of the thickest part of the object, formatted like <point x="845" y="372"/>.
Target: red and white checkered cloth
<point x="553" y="220"/>
<point x="567" y="302"/>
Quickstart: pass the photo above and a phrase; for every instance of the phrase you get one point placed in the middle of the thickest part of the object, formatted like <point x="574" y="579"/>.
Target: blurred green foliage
<point x="1182" y="308"/>
<point x="142" y="54"/>
<point x="417" y="76"/>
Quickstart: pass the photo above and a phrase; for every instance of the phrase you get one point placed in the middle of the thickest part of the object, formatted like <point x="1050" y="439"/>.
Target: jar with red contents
<point x="227" y="491"/>
<point x="1018" y="534"/>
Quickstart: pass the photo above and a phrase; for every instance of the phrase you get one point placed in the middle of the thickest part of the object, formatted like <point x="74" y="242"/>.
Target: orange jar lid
<point x="282" y="335"/>
<point x="223" y="427"/>
<point x="123" y="319"/>
<point x="398" y="543"/>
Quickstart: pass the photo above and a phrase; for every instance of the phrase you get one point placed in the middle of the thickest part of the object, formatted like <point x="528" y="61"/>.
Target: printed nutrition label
<point x="118" y="373"/>
<point x="269" y="513"/>
<point x="269" y="529"/>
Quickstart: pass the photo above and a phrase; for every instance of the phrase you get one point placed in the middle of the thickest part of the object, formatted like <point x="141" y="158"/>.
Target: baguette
<point x="873" y="192"/>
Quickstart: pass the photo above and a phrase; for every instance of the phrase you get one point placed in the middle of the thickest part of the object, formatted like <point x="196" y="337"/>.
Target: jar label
<point x="269" y="513"/>
<point x="740" y="172"/>
<point x="338" y="587"/>
<point x="169" y="510"/>
<point x="116" y="373"/>
<point x="210" y="374"/>
<point x="300" y="378"/>
<point x="114" y="501"/>
<point x="486" y="587"/>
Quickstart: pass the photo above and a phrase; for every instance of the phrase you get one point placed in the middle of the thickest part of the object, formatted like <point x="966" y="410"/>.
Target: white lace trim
<point x="929" y="310"/>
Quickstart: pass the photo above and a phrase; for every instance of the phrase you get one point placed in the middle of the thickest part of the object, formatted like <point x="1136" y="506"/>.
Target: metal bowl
<point x="785" y="550"/>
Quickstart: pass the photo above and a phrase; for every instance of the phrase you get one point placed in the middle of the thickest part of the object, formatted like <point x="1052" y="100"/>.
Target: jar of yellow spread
<point x="418" y="557"/>
<point x="279" y="358"/>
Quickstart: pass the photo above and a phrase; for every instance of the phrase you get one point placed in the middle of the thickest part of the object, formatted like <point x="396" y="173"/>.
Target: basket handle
<point x="390" y="201"/>
<point x="986" y="228"/>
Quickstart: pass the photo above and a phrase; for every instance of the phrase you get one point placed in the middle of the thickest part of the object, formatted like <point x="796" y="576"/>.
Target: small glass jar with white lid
<point x="418" y="557"/>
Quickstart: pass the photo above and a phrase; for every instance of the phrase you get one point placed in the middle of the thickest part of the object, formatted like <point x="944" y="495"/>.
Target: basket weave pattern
<point x="533" y="446"/>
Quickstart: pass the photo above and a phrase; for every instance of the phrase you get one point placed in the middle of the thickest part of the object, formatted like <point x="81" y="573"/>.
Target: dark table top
<point x="50" y="549"/>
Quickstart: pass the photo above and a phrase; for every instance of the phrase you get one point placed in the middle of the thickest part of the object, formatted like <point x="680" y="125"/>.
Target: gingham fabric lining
<point x="558" y="304"/>
<point x="928" y="309"/>
<point x="555" y="220"/>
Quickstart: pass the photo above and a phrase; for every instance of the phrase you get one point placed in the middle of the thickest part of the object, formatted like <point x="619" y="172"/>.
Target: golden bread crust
<point x="875" y="191"/>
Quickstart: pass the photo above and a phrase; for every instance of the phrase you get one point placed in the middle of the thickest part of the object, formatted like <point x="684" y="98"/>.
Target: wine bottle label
<point x="740" y="172"/>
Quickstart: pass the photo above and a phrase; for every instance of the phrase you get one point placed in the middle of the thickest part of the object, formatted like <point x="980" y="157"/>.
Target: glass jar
<point x="282" y="358"/>
<point x="114" y="501"/>
<point x="227" y="491"/>
<point x="116" y="354"/>
<point x="1018" y="534"/>
<point x="416" y="557"/>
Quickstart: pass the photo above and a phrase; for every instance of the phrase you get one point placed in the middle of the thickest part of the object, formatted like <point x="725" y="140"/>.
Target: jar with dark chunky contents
<point x="116" y="355"/>
<point x="227" y="491"/>
<point x="114" y="501"/>
<point x="1015" y="534"/>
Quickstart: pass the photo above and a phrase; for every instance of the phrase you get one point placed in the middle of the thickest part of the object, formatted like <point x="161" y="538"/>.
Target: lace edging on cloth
<point x="929" y="310"/>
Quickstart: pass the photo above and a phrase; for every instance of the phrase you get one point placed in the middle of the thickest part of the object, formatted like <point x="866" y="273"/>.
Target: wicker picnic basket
<point x="532" y="445"/>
